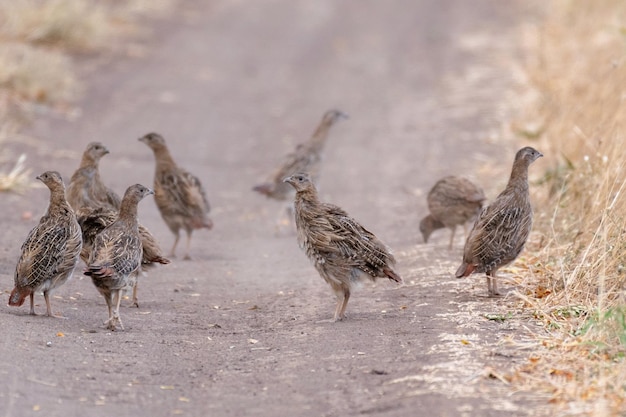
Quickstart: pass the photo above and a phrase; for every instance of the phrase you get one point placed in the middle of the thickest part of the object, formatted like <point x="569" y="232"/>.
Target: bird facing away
<point x="307" y="157"/>
<point x="342" y="251"/>
<point x="179" y="195"/>
<point x="86" y="189"/>
<point x="452" y="201"/>
<point x="116" y="254"/>
<point x="50" y="252"/>
<point x="501" y="229"/>
<point x="93" y="221"/>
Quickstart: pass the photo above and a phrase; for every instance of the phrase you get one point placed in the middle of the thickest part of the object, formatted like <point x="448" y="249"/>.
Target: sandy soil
<point x="237" y="331"/>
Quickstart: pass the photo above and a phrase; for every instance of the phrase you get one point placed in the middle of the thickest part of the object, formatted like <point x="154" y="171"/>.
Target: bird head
<point x="300" y="181"/>
<point x="332" y="116"/>
<point x="52" y="179"/>
<point x="153" y="140"/>
<point x="96" y="150"/>
<point x="528" y="154"/>
<point x="138" y="191"/>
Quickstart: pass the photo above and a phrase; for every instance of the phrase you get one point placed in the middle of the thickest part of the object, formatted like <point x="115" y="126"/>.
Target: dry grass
<point x="578" y="265"/>
<point x="37" y="41"/>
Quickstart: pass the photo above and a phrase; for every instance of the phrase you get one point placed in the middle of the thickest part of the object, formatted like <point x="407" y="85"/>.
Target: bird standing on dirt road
<point x="97" y="206"/>
<point x="116" y="254"/>
<point x="452" y="201"/>
<point x="86" y="188"/>
<point x="179" y="195"/>
<point x="50" y="252"/>
<point x="501" y="230"/>
<point x="342" y="251"/>
<point x="307" y="157"/>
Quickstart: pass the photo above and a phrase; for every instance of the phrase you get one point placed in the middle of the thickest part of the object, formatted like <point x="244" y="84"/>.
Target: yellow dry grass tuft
<point x="578" y="285"/>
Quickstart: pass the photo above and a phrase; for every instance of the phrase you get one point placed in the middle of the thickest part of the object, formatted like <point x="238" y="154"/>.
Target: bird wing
<point x="500" y="232"/>
<point x="350" y="240"/>
<point x="50" y="248"/>
<point x="116" y="249"/>
<point x="185" y="192"/>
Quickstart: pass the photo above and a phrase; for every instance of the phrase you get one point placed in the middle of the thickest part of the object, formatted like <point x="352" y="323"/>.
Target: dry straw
<point x="578" y="71"/>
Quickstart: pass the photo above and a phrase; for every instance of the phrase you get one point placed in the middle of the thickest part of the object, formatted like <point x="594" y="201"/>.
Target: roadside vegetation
<point x="39" y="40"/>
<point x="576" y="263"/>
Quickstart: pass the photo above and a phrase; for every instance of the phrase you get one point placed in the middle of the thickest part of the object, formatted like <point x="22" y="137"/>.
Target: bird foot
<point x="187" y="258"/>
<point x="56" y="316"/>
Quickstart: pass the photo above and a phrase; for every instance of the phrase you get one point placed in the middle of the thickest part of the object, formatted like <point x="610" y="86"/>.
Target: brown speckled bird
<point x="86" y="189"/>
<point x="116" y="254"/>
<point x="97" y="206"/>
<point x="50" y="252"/>
<point x="342" y="251"/>
<point x="500" y="232"/>
<point x="307" y="157"/>
<point x="179" y="195"/>
<point x="93" y="221"/>
<point x="452" y="201"/>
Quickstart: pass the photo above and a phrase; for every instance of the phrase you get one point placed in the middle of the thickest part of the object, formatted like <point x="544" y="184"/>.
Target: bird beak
<point x="141" y="139"/>
<point x="288" y="179"/>
<point x="343" y="115"/>
<point x="150" y="191"/>
<point x="38" y="177"/>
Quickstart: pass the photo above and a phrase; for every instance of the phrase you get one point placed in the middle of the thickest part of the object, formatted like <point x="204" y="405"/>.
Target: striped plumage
<point x="342" y="251"/>
<point x="307" y="157"/>
<point x="452" y="201"/>
<point x="502" y="228"/>
<point x="93" y="221"/>
<point x="116" y="254"/>
<point x="86" y="189"/>
<point x="178" y="194"/>
<point x="50" y="252"/>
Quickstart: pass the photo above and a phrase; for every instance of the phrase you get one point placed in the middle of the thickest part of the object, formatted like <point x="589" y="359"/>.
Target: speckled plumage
<point x="502" y="228"/>
<point x="50" y="252"/>
<point x="116" y="254"/>
<point x="452" y="201"/>
<point x="342" y="251"/>
<point x="179" y="195"/>
<point x="93" y="221"/>
<point x="86" y="189"/>
<point x="307" y="157"/>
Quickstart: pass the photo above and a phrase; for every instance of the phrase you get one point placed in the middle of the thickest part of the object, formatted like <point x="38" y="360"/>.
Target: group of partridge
<point x="88" y="221"/>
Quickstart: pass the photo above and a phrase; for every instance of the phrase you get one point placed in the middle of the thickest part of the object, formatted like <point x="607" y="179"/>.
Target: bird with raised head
<point x="50" y="252"/>
<point x="97" y="206"/>
<point x="116" y="254"/>
<point x="179" y="195"/>
<point x="502" y="228"/>
<point x="342" y="251"/>
<point x="307" y="157"/>
<point x="452" y="201"/>
<point x="86" y="188"/>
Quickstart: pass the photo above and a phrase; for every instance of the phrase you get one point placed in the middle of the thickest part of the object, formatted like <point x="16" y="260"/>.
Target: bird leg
<point x="452" y="237"/>
<point x="173" y="251"/>
<point x="492" y="284"/>
<point x="107" y="297"/>
<point x="49" y="308"/>
<point x="115" y="317"/>
<point x="32" y="304"/>
<point x="187" y="257"/>
<point x="343" y="295"/>
<point x="135" y="299"/>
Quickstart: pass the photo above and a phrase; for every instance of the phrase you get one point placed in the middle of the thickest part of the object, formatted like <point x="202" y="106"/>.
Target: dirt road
<point x="233" y="86"/>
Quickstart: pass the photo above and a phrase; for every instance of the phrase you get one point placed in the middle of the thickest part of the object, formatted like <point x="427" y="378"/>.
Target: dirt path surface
<point x="232" y="86"/>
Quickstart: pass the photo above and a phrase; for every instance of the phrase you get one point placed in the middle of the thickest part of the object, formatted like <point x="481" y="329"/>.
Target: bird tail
<point x="17" y="297"/>
<point x="99" y="271"/>
<point x="392" y="275"/>
<point x="265" y="189"/>
<point x="465" y="270"/>
<point x="155" y="259"/>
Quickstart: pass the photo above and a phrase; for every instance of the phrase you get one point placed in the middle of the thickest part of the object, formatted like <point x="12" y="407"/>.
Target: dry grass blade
<point x="579" y="280"/>
<point x="18" y="178"/>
